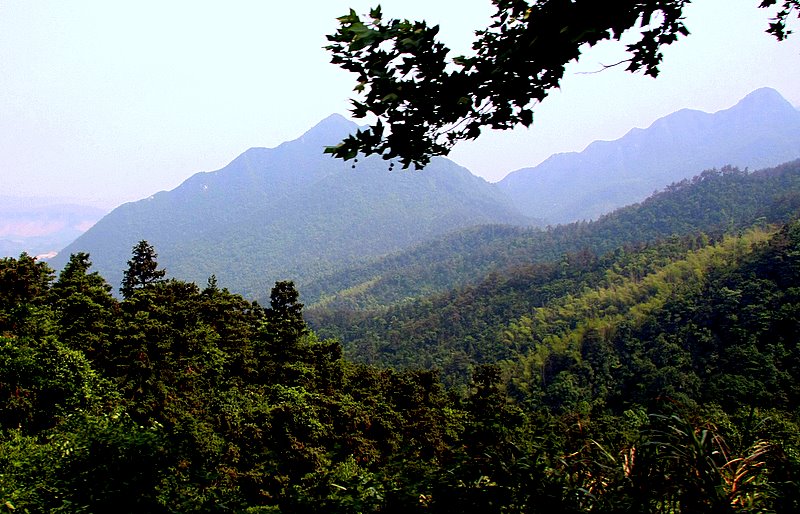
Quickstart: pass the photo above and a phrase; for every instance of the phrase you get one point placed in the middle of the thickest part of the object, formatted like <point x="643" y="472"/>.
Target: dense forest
<point x="656" y="377"/>
<point x="523" y="270"/>
<point x="716" y="201"/>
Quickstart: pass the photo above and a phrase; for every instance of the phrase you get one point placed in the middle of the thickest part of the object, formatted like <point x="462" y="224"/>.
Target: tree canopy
<point x="663" y="381"/>
<point x="426" y="101"/>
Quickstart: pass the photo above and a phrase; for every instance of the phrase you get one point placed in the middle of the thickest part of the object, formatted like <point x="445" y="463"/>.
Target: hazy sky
<point x="112" y="101"/>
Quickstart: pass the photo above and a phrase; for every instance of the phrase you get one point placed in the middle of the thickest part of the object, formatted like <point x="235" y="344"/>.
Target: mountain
<point x="403" y="315"/>
<point x="292" y="212"/>
<point x="761" y="130"/>
<point x="42" y="226"/>
<point x="712" y="202"/>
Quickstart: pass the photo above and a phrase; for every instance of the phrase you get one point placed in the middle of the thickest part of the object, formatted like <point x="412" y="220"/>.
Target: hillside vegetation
<point x="715" y="202"/>
<point x="652" y="377"/>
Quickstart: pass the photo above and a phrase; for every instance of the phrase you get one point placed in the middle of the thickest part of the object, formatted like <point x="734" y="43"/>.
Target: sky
<point x="103" y="101"/>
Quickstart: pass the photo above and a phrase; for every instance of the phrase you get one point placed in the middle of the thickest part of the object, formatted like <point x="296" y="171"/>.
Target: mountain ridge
<point x="761" y="130"/>
<point x="443" y="304"/>
<point x="290" y="212"/>
<point x="469" y="255"/>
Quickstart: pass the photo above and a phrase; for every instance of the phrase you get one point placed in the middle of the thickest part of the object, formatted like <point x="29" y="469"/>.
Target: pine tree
<point x="142" y="269"/>
<point x="84" y="306"/>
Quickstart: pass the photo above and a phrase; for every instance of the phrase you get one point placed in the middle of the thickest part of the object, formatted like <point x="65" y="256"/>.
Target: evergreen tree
<point x="23" y="284"/>
<point x="286" y="312"/>
<point x="142" y="269"/>
<point x="84" y="307"/>
<point x="283" y="349"/>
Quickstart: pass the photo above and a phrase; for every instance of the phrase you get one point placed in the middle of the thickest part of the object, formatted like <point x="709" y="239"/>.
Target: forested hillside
<point x="292" y="212"/>
<point x="713" y="202"/>
<point x="300" y="334"/>
<point x="717" y="326"/>
<point x="645" y="362"/>
<point x="658" y="379"/>
<point x="456" y="330"/>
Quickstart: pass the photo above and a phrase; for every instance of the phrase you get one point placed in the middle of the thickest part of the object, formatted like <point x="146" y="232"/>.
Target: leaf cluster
<point x="425" y="101"/>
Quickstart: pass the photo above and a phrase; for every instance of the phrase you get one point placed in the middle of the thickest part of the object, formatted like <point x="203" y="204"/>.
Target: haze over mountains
<point x="41" y="226"/>
<point x="292" y="212"/>
<point x="762" y="130"/>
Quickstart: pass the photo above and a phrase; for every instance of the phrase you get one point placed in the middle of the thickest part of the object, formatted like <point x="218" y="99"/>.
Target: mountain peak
<point x="761" y="130"/>
<point x="762" y="93"/>
<point x="763" y="99"/>
<point x="329" y="131"/>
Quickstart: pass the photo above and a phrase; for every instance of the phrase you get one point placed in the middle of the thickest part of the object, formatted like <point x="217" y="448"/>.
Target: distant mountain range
<point x="41" y="226"/>
<point x="292" y="212"/>
<point x="762" y="130"/>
